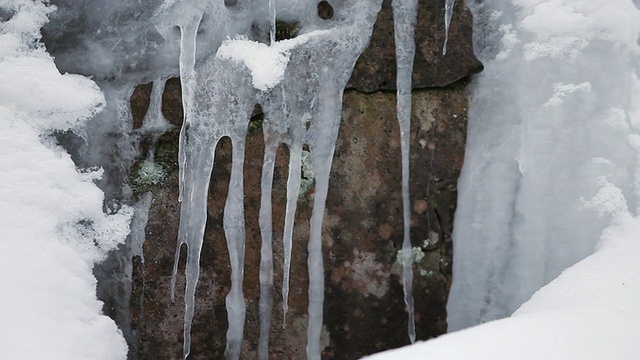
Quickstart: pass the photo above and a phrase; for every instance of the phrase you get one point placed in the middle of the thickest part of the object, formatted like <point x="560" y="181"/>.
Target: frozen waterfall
<point x="553" y="118"/>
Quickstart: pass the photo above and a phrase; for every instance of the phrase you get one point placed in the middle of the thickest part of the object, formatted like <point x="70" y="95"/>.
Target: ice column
<point x="404" y="14"/>
<point x="551" y="118"/>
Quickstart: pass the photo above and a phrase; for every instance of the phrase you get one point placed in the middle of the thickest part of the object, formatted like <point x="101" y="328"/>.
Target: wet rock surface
<point x="362" y="232"/>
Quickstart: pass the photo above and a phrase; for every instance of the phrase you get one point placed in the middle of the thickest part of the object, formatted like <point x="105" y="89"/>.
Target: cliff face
<point x="364" y="308"/>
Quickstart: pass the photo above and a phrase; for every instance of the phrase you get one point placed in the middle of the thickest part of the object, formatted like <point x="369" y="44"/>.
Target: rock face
<point x="364" y="308"/>
<point x="376" y="68"/>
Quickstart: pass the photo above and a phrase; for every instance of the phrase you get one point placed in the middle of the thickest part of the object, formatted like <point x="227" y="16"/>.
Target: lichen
<point x="149" y="173"/>
<point x="416" y="255"/>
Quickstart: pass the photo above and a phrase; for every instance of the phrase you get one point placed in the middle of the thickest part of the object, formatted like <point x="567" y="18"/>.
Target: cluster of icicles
<point x="302" y="108"/>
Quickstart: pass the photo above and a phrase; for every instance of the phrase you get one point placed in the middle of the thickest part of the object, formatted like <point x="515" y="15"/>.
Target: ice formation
<point x="553" y="115"/>
<point x="299" y="84"/>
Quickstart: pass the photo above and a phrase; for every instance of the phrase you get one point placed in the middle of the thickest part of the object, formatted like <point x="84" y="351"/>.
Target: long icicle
<point x="199" y="158"/>
<point x="193" y="218"/>
<point x="187" y="78"/>
<point x="405" y="13"/>
<point x="328" y="114"/>
<point x="293" y="192"/>
<point x="266" y="250"/>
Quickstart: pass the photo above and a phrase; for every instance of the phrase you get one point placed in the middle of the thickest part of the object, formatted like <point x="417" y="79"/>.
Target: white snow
<point x="52" y="225"/>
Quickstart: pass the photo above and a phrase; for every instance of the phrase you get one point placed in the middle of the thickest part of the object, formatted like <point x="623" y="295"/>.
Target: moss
<point x="286" y="30"/>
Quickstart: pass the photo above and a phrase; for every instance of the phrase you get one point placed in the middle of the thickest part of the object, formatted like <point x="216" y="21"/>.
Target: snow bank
<point x="589" y="312"/>
<point x="52" y="226"/>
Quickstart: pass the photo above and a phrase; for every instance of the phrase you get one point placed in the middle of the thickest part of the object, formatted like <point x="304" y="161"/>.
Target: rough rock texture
<point x="376" y="68"/>
<point x="364" y="309"/>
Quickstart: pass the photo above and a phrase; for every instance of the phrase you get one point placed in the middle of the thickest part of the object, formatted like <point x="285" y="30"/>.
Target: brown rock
<point x="376" y="68"/>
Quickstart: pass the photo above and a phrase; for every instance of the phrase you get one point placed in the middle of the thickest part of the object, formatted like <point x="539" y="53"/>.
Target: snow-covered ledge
<point x="591" y="311"/>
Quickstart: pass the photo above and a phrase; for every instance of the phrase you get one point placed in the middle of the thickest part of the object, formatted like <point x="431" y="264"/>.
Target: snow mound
<point x="53" y="225"/>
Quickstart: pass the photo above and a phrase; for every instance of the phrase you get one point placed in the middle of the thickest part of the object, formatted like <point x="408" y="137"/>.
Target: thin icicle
<point x="139" y="224"/>
<point x="193" y="218"/>
<point x="448" y="14"/>
<point x="266" y="250"/>
<point x="293" y="192"/>
<point x="405" y="13"/>
<point x="322" y="149"/>
<point x="188" y="33"/>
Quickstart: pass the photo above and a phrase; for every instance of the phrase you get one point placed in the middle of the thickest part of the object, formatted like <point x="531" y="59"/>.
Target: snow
<point x="53" y="225"/>
<point x="589" y="312"/>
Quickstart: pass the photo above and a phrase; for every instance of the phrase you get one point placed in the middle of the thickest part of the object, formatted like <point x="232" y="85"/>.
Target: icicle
<point x="193" y="216"/>
<point x="448" y="14"/>
<point x="272" y="22"/>
<point x="322" y="148"/>
<point x="235" y="233"/>
<point x="293" y="192"/>
<point x="188" y="33"/>
<point x="266" y="250"/>
<point x="331" y="63"/>
<point x="221" y="110"/>
<point x="405" y="13"/>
